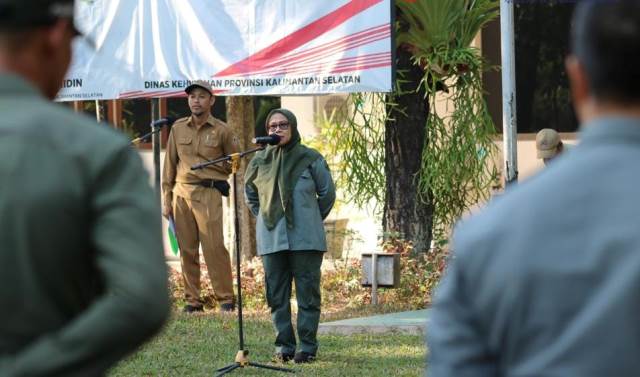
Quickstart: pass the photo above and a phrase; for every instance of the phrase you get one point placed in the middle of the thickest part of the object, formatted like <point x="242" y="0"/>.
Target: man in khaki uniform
<point x="194" y="197"/>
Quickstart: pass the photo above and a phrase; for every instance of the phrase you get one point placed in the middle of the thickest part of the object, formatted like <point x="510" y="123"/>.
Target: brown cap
<point x="204" y="84"/>
<point x="547" y="141"/>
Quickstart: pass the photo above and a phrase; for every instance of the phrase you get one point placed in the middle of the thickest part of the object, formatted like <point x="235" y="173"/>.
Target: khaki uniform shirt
<point x="313" y="197"/>
<point x="188" y="146"/>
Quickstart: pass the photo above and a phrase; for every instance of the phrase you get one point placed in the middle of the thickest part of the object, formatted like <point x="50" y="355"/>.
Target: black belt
<point x="222" y="186"/>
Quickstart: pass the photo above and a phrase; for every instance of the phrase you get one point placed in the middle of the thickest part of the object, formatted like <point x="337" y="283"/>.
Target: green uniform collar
<point x="14" y="85"/>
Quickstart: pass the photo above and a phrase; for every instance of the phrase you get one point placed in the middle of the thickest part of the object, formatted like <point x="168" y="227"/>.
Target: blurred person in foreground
<point x="545" y="281"/>
<point x="82" y="269"/>
<point x="289" y="188"/>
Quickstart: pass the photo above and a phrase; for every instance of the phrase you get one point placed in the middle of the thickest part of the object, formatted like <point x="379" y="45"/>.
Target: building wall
<point x="528" y="163"/>
<point x="304" y="109"/>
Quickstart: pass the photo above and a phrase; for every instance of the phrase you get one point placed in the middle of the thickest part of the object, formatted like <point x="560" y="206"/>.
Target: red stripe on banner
<point x="335" y="50"/>
<point x="321" y="49"/>
<point x="298" y="38"/>
<point x="172" y="93"/>
<point x="381" y="56"/>
<point x="361" y="67"/>
<point x="323" y="69"/>
<point x="159" y="94"/>
<point x="140" y="94"/>
<point x="128" y="93"/>
<point x="346" y="68"/>
<point x="181" y="93"/>
<point x="315" y="57"/>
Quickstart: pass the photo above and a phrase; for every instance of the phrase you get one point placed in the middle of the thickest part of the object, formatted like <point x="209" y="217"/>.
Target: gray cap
<point x="25" y="14"/>
<point x="547" y="141"/>
<point x="204" y="84"/>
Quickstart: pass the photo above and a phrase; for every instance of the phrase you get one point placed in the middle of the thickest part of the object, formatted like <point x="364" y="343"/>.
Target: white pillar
<point x="509" y="120"/>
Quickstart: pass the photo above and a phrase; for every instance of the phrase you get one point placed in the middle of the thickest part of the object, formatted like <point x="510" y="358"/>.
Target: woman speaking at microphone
<point x="288" y="187"/>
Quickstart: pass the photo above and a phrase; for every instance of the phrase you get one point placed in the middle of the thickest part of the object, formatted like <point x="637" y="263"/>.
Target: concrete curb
<point x="350" y="330"/>
<point x="412" y="323"/>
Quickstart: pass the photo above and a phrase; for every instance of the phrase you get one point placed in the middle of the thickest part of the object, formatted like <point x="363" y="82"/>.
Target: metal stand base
<point x="242" y="361"/>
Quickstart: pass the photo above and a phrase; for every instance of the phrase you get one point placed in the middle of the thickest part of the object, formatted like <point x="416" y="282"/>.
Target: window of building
<point x="542" y="88"/>
<point x="136" y="117"/>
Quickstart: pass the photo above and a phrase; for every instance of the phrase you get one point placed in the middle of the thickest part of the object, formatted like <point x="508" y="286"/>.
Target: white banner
<point x="153" y="48"/>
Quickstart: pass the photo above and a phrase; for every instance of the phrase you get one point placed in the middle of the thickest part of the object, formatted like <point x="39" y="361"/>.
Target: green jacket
<point x="81" y="263"/>
<point x="313" y="198"/>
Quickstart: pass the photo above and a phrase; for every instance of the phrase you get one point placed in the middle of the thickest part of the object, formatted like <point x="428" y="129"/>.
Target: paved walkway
<point x="412" y="322"/>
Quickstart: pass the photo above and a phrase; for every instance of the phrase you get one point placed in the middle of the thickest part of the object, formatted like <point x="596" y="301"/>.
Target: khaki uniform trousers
<point x="200" y="223"/>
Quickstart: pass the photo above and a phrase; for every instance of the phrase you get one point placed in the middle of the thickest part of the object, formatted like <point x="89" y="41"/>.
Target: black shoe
<point x="192" y="308"/>
<point x="303" y="357"/>
<point x="227" y="307"/>
<point x="280" y="357"/>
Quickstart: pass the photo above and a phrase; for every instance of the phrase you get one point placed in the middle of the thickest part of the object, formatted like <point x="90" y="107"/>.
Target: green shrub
<point x="341" y="287"/>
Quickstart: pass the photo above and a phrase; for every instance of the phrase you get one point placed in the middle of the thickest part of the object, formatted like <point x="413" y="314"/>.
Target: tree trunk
<point x="240" y="116"/>
<point x="404" y="210"/>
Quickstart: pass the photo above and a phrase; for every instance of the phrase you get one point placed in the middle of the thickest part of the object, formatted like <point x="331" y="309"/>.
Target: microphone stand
<point x="242" y="356"/>
<point x="154" y="130"/>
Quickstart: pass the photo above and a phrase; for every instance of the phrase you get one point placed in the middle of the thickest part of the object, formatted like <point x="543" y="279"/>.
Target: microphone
<point x="162" y="122"/>
<point x="271" y="140"/>
<point x="155" y="128"/>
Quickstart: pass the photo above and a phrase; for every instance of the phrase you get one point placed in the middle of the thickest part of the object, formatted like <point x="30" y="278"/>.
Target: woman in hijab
<point x="288" y="187"/>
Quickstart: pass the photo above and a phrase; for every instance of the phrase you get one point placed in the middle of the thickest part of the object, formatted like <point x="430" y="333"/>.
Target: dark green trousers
<point x="303" y="268"/>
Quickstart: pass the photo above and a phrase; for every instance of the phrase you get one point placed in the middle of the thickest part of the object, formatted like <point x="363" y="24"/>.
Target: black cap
<point x="26" y="14"/>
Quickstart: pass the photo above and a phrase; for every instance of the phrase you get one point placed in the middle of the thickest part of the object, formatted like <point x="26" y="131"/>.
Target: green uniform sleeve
<point x="325" y="187"/>
<point x="250" y="192"/>
<point x="454" y="336"/>
<point x="127" y="243"/>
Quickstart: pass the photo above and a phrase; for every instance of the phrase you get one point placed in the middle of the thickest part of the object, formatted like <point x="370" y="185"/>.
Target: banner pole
<point x="509" y="119"/>
<point x="155" y="141"/>
<point x="98" y="111"/>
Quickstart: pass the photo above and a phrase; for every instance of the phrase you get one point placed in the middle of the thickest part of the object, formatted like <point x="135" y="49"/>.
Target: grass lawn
<point x="198" y="344"/>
